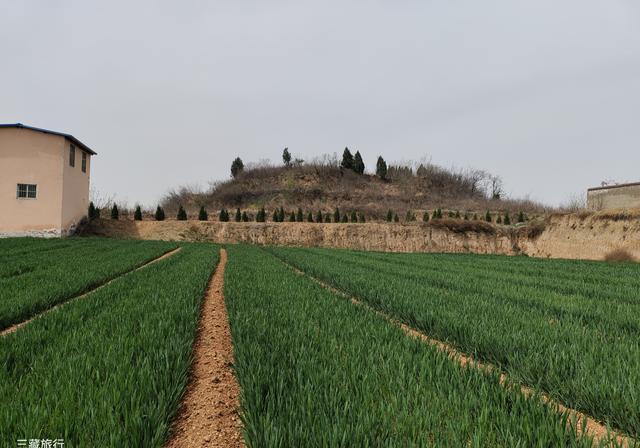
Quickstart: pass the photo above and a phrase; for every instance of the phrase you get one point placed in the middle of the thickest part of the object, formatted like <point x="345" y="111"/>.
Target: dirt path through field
<point x="586" y="425"/>
<point x="208" y="416"/>
<point x="14" y="328"/>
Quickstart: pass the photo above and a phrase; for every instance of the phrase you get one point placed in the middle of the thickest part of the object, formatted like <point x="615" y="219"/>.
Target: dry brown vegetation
<point x="619" y="256"/>
<point x="324" y="185"/>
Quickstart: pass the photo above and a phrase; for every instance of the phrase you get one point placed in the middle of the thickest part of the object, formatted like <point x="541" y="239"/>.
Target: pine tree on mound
<point x="347" y="160"/>
<point x="319" y="217"/>
<point x="238" y="215"/>
<point x="137" y="214"/>
<point x="381" y="168"/>
<point x="358" y="163"/>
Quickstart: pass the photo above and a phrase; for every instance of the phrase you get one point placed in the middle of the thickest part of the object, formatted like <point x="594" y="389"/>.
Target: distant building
<point x="614" y="196"/>
<point x="44" y="181"/>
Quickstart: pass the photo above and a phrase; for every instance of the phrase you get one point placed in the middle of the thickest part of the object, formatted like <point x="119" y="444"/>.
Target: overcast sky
<point x="545" y="93"/>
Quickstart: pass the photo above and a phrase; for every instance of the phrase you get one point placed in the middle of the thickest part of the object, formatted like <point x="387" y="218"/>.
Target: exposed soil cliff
<point x="415" y="237"/>
<point x="598" y="236"/>
<point x="611" y="235"/>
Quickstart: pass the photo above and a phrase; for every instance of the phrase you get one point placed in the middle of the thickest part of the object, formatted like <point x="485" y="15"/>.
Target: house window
<point x="84" y="162"/>
<point x="26" y="191"/>
<point x="72" y="155"/>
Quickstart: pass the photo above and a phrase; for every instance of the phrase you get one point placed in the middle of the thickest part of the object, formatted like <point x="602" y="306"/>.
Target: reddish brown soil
<point x="209" y="412"/>
<point x="15" y="327"/>
<point x="592" y="428"/>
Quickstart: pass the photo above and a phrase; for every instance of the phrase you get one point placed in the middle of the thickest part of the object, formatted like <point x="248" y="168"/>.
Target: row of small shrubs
<point x="437" y="214"/>
<point x="279" y="215"/>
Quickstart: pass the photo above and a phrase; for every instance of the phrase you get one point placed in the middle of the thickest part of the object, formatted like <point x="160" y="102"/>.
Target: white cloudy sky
<point x="544" y="92"/>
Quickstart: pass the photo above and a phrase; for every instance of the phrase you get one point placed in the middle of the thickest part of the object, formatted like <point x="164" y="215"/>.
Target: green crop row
<point x="582" y="349"/>
<point x="107" y="370"/>
<point x="47" y="273"/>
<point x="316" y="370"/>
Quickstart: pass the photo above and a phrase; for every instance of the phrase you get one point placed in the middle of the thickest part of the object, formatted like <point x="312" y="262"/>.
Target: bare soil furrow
<point x="209" y="413"/>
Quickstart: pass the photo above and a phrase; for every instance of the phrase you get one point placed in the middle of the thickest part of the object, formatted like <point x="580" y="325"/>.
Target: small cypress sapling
<point x="451" y="214"/>
<point x="361" y="217"/>
<point x="276" y="216"/>
<point x="425" y="217"/>
<point x="475" y="216"/>
<point x="182" y="215"/>
<point x="244" y="217"/>
<point x="261" y="216"/>
<point x="238" y="215"/>
<point x="354" y="216"/>
<point x="310" y="217"/>
<point x="292" y="217"/>
<point x="137" y="214"/>
<point x="520" y="216"/>
<point x="499" y="220"/>
<point x="281" y="214"/>
<point x="115" y="214"/>
<point x="466" y="216"/>
<point x="159" y="215"/>
<point x="299" y="215"/>
<point x="202" y="214"/>
<point x="327" y="217"/>
<point x="345" y="219"/>
<point x="435" y="214"/>
<point x="457" y="214"/>
<point x="319" y="216"/>
<point x="389" y="216"/>
<point x="487" y="216"/>
<point x="224" y="216"/>
<point x="507" y="219"/>
<point x="92" y="211"/>
<point x="336" y="215"/>
<point x="396" y="218"/>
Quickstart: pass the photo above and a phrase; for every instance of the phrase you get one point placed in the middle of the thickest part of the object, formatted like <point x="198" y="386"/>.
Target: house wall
<point x="31" y="158"/>
<point x="624" y="196"/>
<point x="75" y="191"/>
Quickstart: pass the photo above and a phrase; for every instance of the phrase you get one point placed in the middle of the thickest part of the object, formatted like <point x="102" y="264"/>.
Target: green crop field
<point x="107" y="370"/>
<point x="315" y="369"/>
<point x="37" y="275"/>
<point x="569" y="328"/>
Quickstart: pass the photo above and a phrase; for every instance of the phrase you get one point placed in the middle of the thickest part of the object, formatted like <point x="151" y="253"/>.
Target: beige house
<point x="44" y="181"/>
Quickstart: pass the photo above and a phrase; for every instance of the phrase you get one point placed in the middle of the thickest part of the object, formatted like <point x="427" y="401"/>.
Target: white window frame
<point x="28" y="191"/>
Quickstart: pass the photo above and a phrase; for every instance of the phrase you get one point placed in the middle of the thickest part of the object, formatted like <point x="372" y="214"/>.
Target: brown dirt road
<point x="209" y="416"/>
<point x="14" y="328"/>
